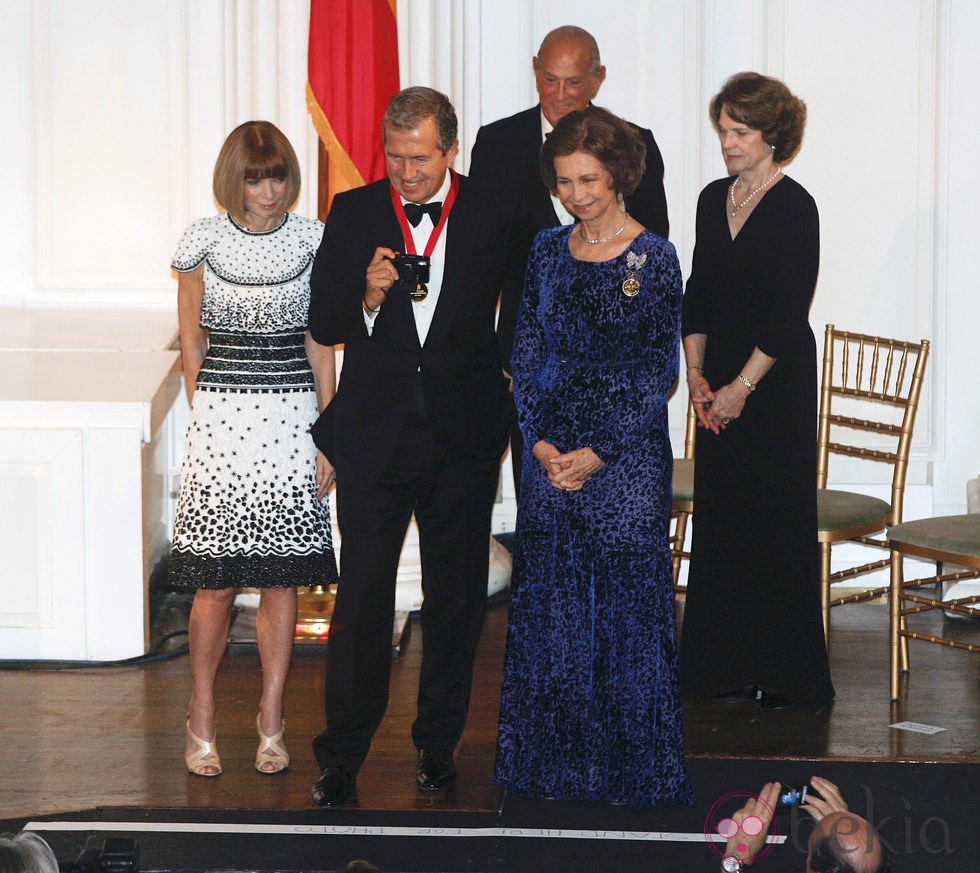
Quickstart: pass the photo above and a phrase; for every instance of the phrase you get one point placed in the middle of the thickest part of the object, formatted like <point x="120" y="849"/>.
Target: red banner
<point x="353" y="73"/>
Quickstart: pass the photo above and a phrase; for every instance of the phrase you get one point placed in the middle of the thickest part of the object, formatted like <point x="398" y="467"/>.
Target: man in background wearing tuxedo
<point x="418" y="425"/>
<point x="568" y="74"/>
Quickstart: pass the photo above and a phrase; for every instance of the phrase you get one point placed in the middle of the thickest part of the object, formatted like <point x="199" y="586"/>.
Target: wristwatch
<point x="731" y="864"/>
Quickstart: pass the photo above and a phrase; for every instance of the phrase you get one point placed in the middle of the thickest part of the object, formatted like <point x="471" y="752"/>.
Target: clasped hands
<point x="716" y="409"/>
<point x="569" y="471"/>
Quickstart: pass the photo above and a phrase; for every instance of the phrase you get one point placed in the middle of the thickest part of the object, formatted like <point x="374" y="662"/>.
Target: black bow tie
<point x="415" y="211"/>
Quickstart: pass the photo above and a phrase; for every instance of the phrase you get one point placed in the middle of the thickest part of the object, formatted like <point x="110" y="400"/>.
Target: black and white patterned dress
<point x="247" y="512"/>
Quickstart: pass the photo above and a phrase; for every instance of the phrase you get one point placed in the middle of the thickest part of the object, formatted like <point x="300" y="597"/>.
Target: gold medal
<point x="419" y="294"/>
<point x="631" y="285"/>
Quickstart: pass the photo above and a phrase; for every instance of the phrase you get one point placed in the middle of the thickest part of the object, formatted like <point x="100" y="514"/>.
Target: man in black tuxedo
<point x="568" y="74"/>
<point x="418" y="425"/>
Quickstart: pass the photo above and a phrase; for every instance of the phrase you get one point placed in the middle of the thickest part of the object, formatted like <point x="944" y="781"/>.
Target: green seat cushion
<point x="951" y="534"/>
<point x="843" y="510"/>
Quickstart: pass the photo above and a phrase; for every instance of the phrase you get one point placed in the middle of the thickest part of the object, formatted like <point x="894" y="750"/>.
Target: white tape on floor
<point x="374" y="831"/>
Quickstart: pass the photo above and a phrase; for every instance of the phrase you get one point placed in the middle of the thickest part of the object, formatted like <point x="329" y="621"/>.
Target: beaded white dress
<point x="247" y="511"/>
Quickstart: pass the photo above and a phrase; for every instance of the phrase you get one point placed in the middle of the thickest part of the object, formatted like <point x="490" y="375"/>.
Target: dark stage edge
<point x="928" y="813"/>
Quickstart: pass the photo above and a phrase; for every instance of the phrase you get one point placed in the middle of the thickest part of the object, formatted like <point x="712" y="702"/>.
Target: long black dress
<point x="752" y="613"/>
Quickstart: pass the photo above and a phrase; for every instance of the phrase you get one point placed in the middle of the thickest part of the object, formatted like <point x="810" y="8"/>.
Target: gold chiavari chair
<point x="951" y="539"/>
<point x="878" y="381"/>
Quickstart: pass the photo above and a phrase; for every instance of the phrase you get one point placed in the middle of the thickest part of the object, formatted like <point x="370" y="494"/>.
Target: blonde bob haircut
<point x="254" y="150"/>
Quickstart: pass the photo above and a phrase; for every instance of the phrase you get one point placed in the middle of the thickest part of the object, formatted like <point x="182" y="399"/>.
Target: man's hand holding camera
<point x="387" y="268"/>
<point x="854" y="838"/>
<point x="828" y="801"/>
<point x="380" y="275"/>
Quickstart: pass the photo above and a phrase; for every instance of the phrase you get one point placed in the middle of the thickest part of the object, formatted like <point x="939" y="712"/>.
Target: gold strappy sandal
<point x="272" y="750"/>
<point x="199" y="755"/>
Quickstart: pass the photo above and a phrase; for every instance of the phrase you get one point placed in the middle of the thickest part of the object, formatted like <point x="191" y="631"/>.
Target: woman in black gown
<point x="752" y="623"/>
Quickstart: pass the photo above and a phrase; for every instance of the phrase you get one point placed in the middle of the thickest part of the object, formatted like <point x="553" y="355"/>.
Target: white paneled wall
<point x="115" y="111"/>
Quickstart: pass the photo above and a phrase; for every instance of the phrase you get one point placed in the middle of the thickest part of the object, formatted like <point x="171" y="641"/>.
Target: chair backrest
<point x="886" y="374"/>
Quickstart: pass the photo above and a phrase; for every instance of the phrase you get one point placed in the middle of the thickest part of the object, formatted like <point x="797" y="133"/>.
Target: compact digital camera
<point x="412" y="269"/>
<point x="792" y="795"/>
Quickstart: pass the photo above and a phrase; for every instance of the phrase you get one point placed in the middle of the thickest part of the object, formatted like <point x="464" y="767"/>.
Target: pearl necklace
<point x="602" y="239"/>
<point x="762" y="187"/>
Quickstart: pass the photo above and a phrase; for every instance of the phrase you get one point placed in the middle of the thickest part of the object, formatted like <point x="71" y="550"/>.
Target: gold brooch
<point x="631" y="286"/>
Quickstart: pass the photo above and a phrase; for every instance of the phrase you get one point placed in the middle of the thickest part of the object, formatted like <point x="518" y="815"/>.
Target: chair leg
<point x="680" y="534"/>
<point x="895" y="624"/>
<point x="825" y="590"/>
<point x="903" y="643"/>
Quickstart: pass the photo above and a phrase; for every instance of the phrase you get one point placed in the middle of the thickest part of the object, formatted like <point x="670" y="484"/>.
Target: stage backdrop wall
<point x="115" y="111"/>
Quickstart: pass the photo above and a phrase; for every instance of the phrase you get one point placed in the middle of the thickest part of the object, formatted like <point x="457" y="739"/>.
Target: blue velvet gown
<point x="590" y="707"/>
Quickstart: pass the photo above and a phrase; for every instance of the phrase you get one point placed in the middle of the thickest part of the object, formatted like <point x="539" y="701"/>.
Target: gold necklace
<point x="762" y="187"/>
<point x="602" y="239"/>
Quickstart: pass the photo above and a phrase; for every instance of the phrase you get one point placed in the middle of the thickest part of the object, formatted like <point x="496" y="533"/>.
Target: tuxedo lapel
<point x="542" y="206"/>
<point x="530" y="144"/>
<point x="458" y="230"/>
<point x="385" y="230"/>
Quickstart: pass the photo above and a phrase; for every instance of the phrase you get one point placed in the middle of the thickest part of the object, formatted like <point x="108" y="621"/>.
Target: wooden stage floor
<point x="113" y="737"/>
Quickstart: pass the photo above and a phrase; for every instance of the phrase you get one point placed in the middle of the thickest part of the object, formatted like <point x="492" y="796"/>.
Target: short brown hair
<point x="253" y="150"/>
<point x="608" y="138"/>
<point x="764" y="104"/>
<point x="410" y="107"/>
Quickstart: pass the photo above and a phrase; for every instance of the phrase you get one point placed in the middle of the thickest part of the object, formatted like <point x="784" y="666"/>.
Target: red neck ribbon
<point x="447" y="207"/>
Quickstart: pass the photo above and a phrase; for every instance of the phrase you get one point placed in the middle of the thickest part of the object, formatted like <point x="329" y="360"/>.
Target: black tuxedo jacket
<point x="506" y="155"/>
<point x="460" y="364"/>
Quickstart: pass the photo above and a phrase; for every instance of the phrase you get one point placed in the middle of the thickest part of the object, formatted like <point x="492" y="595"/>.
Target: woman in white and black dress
<point x="251" y="510"/>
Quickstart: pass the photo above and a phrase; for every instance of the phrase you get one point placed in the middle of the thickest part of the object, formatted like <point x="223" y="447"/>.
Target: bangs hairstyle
<point x="609" y="139"/>
<point x="766" y="105"/>
<point x="254" y="150"/>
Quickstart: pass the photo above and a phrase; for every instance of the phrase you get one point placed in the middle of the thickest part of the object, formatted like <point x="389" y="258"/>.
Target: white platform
<point x="86" y="400"/>
<point x="92" y="425"/>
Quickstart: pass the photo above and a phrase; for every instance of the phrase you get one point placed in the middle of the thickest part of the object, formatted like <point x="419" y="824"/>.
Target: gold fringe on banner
<point x="342" y="174"/>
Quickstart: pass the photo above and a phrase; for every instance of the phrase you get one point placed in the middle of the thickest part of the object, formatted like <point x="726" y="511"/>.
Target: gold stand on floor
<point x="316" y="610"/>
<point x="313" y="617"/>
<point x="314" y="614"/>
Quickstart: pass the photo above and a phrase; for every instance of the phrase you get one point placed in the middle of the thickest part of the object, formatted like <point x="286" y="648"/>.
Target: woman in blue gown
<point x="590" y="706"/>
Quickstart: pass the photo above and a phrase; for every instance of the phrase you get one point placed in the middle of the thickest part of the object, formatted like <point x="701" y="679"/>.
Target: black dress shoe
<point x="436" y="770"/>
<point x="334" y="787"/>
<point x="744" y="694"/>
<point x="775" y="701"/>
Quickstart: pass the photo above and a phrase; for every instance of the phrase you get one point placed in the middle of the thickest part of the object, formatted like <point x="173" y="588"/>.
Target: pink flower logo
<point x="720" y="823"/>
